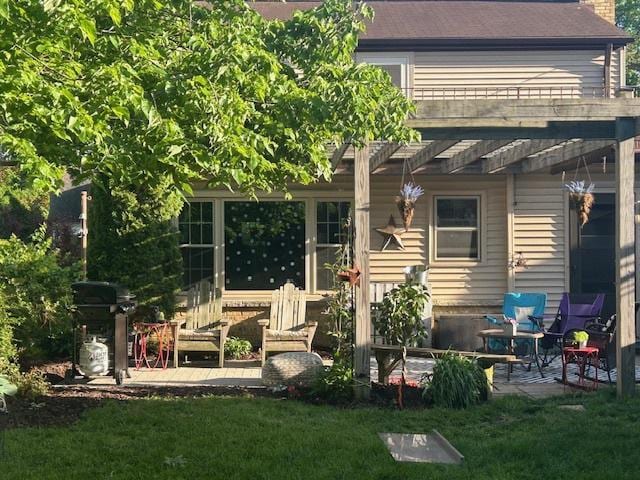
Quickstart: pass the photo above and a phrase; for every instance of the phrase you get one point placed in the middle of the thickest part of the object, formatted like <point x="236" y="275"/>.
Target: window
<point x="195" y="224"/>
<point x="457" y="228"/>
<point x="396" y="65"/>
<point x="264" y="244"/>
<point x="331" y="229"/>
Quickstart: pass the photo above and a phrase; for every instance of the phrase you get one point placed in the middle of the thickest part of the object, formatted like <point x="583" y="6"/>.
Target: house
<point x="514" y="99"/>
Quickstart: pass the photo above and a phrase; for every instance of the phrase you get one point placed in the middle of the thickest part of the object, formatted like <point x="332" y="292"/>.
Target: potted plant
<point x="580" y="338"/>
<point x="399" y="320"/>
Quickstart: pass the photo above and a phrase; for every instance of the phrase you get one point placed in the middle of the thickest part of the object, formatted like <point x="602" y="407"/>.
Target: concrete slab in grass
<point x="421" y="447"/>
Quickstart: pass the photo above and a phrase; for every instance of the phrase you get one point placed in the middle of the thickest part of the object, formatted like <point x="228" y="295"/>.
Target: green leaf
<point x="88" y="29"/>
<point x="4" y="9"/>
<point x="51" y="5"/>
<point x="6" y="387"/>
<point x="114" y="13"/>
<point x="175" y="150"/>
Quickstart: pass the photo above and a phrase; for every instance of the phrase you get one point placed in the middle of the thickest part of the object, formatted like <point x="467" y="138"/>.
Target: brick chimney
<point x="605" y="8"/>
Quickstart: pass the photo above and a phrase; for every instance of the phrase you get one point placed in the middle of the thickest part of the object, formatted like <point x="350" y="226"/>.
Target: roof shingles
<point x="451" y="21"/>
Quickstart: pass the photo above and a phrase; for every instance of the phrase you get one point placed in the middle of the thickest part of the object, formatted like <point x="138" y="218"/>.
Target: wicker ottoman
<point x="292" y="368"/>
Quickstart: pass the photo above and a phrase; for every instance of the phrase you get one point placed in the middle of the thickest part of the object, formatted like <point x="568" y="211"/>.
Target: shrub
<point x="35" y="294"/>
<point x="335" y="385"/>
<point x="237" y="348"/>
<point x="30" y="385"/>
<point x="456" y="382"/>
<point x="133" y="242"/>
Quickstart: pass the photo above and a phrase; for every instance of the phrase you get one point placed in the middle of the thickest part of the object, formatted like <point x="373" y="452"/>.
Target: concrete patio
<point x="248" y="374"/>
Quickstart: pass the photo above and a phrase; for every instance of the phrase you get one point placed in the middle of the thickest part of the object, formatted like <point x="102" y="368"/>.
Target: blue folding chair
<point x="524" y="308"/>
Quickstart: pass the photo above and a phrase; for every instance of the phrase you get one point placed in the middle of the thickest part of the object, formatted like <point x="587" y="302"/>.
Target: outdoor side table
<point x="511" y="341"/>
<point x="145" y="331"/>
<point x="582" y="357"/>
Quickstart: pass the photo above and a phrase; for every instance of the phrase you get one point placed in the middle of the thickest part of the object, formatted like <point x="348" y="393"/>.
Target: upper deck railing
<point x="505" y="93"/>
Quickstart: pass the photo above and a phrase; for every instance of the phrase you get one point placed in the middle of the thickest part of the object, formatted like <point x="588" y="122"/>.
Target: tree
<point x="148" y="90"/>
<point x="132" y="241"/>
<point x="628" y="17"/>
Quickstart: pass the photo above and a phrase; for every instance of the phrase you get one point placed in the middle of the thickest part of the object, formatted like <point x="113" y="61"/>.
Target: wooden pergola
<point x="506" y="137"/>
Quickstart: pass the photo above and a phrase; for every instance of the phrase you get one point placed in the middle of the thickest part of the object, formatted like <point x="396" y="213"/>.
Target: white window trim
<point x="176" y="224"/>
<point x="310" y="200"/>
<point x="314" y="239"/>
<point x="404" y="59"/>
<point x="482" y="228"/>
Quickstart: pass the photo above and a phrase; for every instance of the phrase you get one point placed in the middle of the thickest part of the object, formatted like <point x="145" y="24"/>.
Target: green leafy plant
<point x="6" y="389"/>
<point x="142" y="91"/>
<point x="580" y="336"/>
<point x="30" y="385"/>
<point x="456" y="382"/>
<point x="237" y="348"/>
<point x="399" y="320"/>
<point x="335" y="385"/>
<point x="35" y="295"/>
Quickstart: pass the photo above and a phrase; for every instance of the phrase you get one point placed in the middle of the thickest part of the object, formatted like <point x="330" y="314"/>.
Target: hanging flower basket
<point x="582" y="198"/>
<point x="406" y="202"/>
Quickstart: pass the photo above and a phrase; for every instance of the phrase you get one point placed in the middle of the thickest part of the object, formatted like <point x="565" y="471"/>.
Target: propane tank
<point x="94" y="358"/>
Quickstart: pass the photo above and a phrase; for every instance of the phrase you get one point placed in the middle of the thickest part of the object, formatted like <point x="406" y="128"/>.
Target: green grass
<point x="243" y="438"/>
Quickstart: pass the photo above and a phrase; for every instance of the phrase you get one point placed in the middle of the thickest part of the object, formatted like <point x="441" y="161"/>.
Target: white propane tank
<point x="94" y="358"/>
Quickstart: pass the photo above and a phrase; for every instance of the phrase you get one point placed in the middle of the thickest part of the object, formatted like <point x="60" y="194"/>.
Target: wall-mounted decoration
<point x="391" y="233"/>
<point x="518" y="261"/>
<point x="406" y="201"/>
<point x="351" y="275"/>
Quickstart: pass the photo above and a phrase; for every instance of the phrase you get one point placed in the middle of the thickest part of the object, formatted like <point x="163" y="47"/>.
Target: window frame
<point x="481" y="228"/>
<point x="316" y="243"/>
<point x="310" y="199"/>
<point x="214" y="232"/>
<point x="404" y="59"/>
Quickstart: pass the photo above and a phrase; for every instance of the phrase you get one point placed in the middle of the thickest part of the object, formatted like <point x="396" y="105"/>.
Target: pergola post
<point x="625" y="257"/>
<point x="362" y="353"/>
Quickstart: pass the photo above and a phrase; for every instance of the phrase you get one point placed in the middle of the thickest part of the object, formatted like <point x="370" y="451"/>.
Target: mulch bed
<point x="64" y="405"/>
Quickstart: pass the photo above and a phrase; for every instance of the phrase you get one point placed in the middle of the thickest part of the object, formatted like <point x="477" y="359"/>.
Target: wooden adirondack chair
<point x="286" y="329"/>
<point x="203" y="330"/>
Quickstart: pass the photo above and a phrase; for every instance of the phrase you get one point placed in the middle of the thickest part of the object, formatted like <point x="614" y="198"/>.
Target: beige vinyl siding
<point x="453" y="283"/>
<point x="536" y="70"/>
<point x="540" y="234"/>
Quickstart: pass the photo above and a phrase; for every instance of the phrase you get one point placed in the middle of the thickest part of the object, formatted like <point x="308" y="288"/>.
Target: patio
<point x="523" y="382"/>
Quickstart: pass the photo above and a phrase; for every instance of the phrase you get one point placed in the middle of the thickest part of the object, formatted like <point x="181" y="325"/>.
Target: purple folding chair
<point x="574" y="312"/>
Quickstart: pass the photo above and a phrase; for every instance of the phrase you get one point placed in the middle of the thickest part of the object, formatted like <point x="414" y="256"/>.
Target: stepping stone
<point x="420" y="447"/>
<point x="575" y="408"/>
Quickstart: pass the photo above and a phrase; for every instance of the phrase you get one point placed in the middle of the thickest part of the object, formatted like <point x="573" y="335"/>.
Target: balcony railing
<point x="504" y="93"/>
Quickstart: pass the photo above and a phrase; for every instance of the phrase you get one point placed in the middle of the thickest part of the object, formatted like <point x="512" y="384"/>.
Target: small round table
<point x="143" y="331"/>
<point x="582" y="357"/>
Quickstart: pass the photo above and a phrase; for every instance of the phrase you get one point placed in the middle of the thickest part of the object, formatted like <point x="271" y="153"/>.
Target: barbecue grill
<point x="101" y="310"/>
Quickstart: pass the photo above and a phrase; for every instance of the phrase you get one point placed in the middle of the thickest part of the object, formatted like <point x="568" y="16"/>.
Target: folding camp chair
<point x="574" y="313"/>
<point x="522" y="307"/>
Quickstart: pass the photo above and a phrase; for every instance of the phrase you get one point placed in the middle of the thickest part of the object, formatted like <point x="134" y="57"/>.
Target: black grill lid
<point x="100" y="293"/>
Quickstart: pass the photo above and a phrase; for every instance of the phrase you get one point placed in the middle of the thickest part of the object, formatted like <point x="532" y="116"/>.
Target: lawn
<point x="244" y="438"/>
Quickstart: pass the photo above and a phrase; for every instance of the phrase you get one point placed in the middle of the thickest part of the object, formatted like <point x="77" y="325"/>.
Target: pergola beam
<point x="508" y="112"/>
<point x="428" y="153"/>
<point x="338" y="154"/>
<point x="471" y="154"/>
<point x="383" y="154"/>
<point x="515" y="154"/>
<point x="586" y="130"/>
<point x="562" y="154"/>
